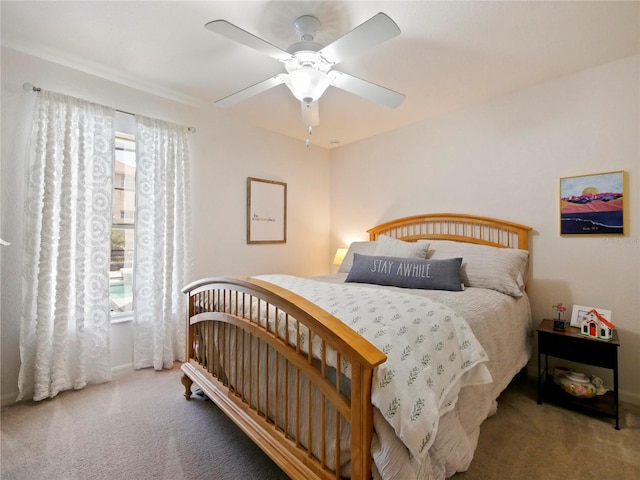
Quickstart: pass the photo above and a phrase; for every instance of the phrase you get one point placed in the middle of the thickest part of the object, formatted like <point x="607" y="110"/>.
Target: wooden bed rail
<point x="243" y="332"/>
<point x="458" y="227"/>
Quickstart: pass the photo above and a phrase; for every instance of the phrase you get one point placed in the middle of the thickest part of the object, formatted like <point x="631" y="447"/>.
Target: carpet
<point x="139" y="426"/>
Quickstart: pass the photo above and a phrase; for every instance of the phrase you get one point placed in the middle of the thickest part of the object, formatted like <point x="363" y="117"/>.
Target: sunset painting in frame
<point x="592" y="204"/>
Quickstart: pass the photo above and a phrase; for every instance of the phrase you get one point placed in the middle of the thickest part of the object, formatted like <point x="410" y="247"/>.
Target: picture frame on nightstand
<point x="580" y="311"/>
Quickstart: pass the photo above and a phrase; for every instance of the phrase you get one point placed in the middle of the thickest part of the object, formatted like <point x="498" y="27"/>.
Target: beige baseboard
<point x="8" y="398"/>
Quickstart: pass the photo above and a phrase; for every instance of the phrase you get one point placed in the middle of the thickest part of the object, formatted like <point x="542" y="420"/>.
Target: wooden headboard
<point x="458" y="227"/>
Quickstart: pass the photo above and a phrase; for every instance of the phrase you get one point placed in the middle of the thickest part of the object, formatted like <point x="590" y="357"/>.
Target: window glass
<point x="122" y="230"/>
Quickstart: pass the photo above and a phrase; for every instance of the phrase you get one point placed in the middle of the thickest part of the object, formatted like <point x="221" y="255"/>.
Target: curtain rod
<point x="30" y="87"/>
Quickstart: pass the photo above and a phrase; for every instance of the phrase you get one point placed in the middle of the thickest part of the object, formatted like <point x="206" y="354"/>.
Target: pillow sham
<point x="392" y="247"/>
<point x="407" y="272"/>
<point x="502" y="269"/>
<point x="363" y="248"/>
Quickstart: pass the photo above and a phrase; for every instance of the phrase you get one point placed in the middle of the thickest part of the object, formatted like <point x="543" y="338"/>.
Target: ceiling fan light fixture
<point x="307" y="84"/>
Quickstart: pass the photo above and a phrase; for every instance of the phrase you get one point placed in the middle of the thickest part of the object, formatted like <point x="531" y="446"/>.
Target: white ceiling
<point x="449" y="55"/>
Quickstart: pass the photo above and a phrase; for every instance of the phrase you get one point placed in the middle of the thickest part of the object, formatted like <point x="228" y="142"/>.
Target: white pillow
<point x="501" y="269"/>
<point x="363" y="248"/>
<point x="392" y="247"/>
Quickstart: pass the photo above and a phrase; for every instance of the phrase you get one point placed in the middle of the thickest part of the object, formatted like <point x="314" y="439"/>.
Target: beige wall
<point x="504" y="159"/>
<point x="223" y="154"/>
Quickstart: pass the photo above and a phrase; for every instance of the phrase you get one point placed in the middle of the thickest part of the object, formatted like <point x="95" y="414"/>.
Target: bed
<point x="310" y="369"/>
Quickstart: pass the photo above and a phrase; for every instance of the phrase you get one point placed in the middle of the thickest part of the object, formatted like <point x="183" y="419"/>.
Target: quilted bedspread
<point x="431" y="352"/>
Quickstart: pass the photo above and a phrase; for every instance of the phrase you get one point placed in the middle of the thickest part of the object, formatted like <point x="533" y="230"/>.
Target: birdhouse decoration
<point x="595" y="325"/>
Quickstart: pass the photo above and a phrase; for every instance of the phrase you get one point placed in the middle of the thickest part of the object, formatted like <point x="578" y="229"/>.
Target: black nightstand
<point x="571" y="345"/>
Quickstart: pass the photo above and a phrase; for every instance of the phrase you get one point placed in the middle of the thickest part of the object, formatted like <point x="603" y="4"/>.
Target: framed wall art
<point x="266" y="211"/>
<point x="593" y="204"/>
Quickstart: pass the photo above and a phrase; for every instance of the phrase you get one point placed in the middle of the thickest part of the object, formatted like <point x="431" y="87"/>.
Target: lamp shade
<point x="340" y="253"/>
<point x="307" y="84"/>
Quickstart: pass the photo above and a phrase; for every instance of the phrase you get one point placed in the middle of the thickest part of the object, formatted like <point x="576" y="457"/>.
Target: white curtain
<point x="64" y="331"/>
<point x="162" y="257"/>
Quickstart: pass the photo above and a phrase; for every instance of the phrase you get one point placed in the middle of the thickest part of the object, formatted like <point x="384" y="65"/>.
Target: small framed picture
<point x="580" y="311"/>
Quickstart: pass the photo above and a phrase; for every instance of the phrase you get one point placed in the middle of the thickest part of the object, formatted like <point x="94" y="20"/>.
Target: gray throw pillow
<point x="407" y="272"/>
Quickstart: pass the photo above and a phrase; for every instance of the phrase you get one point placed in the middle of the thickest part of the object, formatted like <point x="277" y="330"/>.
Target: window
<point x="122" y="228"/>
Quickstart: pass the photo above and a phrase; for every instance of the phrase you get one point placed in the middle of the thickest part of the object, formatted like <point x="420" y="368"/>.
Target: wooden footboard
<point x="292" y="376"/>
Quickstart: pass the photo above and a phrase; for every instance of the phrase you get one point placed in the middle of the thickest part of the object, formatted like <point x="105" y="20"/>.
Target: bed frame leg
<point x="187" y="382"/>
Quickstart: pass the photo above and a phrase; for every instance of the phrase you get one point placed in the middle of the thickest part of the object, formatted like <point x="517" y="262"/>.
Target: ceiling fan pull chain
<point x="308" y="142"/>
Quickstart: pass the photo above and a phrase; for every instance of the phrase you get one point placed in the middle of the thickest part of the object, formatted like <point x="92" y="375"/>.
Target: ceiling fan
<point x="309" y="65"/>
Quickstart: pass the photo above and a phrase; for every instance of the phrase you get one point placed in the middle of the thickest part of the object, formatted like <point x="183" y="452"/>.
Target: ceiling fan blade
<point x="251" y="91"/>
<point x="366" y="89"/>
<point x="239" y="35"/>
<point x="374" y="31"/>
<point x="310" y="113"/>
